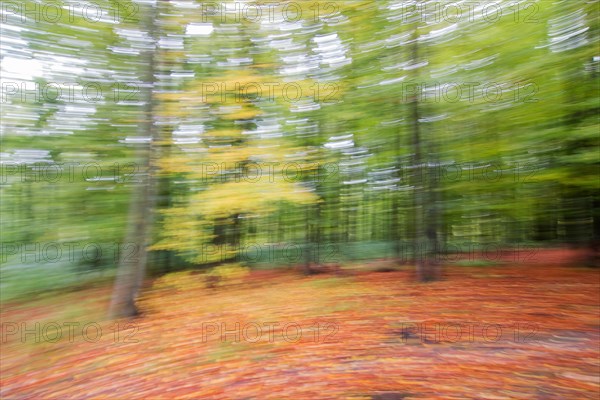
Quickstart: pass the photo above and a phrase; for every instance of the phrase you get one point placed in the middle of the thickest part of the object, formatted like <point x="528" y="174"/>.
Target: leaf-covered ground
<point x="527" y="332"/>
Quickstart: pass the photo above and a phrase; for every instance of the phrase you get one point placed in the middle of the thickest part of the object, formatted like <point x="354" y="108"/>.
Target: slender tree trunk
<point x="133" y="254"/>
<point x="432" y="216"/>
<point x="162" y="260"/>
<point x="308" y="240"/>
<point x="395" y="202"/>
<point x="424" y="217"/>
<point x="417" y="184"/>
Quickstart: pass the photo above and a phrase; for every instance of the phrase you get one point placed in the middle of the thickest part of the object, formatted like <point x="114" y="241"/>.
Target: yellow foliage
<point x="180" y="281"/>
<point x="224" y="133"/>
<point x="229" y="274"/>
<point x="243" y="197"/>
<point x="175" y="164"/>
<point x="243" y="113"/>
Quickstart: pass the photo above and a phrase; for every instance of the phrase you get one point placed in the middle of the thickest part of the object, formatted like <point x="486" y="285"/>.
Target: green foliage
<point x="475" y="263"/>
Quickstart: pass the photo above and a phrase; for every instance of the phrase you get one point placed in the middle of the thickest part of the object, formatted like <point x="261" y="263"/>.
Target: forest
<point x="154" y="151"/>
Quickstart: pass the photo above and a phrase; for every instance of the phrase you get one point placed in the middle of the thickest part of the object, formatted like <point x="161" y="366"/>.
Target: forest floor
<point x="507" y="331"/>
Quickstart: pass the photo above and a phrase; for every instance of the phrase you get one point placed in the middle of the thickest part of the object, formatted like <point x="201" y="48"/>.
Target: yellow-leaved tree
<point x="230" y="152"/>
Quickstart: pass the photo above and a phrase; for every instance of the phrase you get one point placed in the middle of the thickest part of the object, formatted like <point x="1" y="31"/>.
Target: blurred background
<point x="195" y="165"/>
<point x="169" y="135"/>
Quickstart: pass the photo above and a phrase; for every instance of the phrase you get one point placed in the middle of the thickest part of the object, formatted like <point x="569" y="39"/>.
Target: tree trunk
<point x="132" y="265"/>
<point x="424" y="217"/>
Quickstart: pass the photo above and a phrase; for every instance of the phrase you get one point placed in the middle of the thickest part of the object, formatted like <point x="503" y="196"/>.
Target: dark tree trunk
<point x="425" y="216"/>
